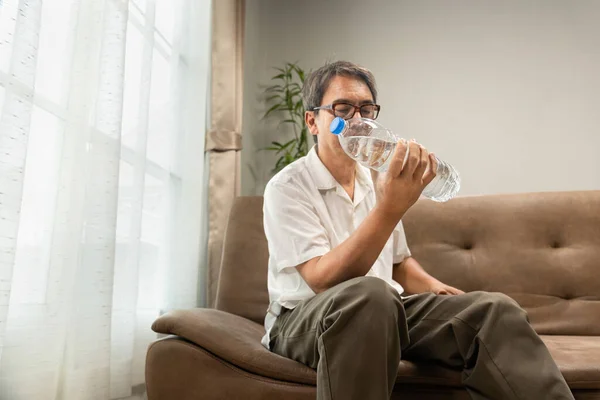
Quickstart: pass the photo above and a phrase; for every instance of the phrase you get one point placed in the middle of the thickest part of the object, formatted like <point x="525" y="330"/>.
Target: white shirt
<point x="306" y="214"/>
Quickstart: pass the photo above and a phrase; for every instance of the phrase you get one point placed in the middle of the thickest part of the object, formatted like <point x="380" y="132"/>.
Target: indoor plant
<point x="285" y="95"/>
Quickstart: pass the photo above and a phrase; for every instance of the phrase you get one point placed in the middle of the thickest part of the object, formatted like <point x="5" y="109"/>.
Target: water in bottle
<point x="372" y="145"/>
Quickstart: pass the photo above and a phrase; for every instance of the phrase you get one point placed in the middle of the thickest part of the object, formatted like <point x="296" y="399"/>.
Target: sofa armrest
<point x="206" y="327"/>
<point x="234" y="339"/>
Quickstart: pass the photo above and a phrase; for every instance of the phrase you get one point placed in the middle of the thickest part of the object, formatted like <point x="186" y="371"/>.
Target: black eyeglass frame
<point x="331" y="108"/>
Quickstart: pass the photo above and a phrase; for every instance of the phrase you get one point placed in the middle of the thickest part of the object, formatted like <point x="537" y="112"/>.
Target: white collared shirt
<point x="306" y="214"/>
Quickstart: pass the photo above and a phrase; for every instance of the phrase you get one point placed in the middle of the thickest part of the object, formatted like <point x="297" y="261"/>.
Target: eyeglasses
<point x="347" y="111"/>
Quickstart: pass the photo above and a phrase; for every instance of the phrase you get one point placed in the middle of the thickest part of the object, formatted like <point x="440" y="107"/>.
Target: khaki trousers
<point x="355" y="334"/>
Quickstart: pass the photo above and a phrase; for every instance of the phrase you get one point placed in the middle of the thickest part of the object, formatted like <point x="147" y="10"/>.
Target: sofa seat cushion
<point x="237" y="340"/>
<point x="578" y="358"/>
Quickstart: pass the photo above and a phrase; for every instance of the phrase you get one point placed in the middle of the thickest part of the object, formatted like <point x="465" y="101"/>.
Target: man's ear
<point x="309" y="119"/>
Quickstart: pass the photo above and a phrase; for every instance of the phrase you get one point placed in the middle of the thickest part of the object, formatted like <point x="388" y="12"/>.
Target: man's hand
<point x="400" y="187"/>
<point x="441" y="289"/>
<point x="414" y="279"/>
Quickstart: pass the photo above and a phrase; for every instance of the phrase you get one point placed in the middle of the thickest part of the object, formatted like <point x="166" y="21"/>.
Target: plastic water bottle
<point x="370" y="144"/>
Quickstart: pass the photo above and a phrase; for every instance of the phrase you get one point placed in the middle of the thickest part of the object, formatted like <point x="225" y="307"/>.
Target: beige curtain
<point x="224" y="139"/>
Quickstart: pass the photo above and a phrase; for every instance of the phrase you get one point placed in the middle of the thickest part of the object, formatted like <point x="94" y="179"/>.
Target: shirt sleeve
<point x="294" y="231"/>
<point x="401" y="250"/>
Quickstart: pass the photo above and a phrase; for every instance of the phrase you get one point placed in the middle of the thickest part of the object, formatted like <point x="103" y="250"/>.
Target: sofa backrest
<point x="242" y="288"/>
<point x="542" y="249"/>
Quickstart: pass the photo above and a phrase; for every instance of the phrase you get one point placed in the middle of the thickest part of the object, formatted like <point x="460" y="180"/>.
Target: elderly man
<point x="347" y="298"/>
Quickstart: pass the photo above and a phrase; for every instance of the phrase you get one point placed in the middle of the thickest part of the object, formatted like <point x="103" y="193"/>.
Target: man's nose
<point x="356" y="113"/>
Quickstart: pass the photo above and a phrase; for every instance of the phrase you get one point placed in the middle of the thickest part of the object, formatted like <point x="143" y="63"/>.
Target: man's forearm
<point x="356" y="255"/>
<point x="412" y="277"/>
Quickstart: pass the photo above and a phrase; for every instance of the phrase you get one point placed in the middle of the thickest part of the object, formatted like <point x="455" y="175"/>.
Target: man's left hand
<point x="442" y="289"/>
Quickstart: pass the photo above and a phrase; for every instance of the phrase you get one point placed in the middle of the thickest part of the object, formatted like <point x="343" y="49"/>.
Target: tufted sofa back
<point x="542" y="249"/>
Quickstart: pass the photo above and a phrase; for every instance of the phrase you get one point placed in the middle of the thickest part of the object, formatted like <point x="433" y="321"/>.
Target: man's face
<point x="342" y="89"/>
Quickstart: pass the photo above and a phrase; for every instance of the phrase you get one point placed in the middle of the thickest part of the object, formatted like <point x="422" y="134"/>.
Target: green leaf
<point x="295" y="85"/>
<point x="299" y="72"/>
<point x="281" y="163"/>
<point x="289" y="121"/>
<point x="299" y="114"/>
<point x="286" y="145"/>
<point x="274" y="88"/>
<point x="273" y="108"/>
<point x="275" y="96"/>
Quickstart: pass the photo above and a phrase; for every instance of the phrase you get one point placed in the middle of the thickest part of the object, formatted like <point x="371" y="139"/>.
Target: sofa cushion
<point x="237" y="341"/>
<point x="242" y="288"/>
<point x="233" y="339"/>
<point x="578" y="358"/>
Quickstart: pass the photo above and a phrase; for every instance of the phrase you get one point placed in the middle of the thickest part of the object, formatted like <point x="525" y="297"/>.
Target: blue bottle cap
<point x="337" y="125"/>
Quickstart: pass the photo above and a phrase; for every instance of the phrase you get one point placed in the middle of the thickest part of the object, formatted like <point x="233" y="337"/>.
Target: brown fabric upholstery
<point x="241" y="346"/>
<point x="243" y="282"/>
<point x="579" y="357"/>
<point x="542" y="249"/>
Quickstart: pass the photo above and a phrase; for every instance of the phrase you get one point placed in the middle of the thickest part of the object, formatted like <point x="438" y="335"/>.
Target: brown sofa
<point x="542" y="249"/>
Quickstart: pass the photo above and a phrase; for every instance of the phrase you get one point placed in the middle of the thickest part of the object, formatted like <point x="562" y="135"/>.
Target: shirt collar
<point x="323" y="178"/>
<point x="321" y="175"/>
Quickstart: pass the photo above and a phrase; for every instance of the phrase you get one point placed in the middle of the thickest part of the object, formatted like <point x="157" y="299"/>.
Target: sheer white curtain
<point x="102" y="107"/>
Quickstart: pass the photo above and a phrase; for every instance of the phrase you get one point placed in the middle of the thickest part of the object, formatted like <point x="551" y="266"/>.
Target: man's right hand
<point x="400" y="187"/>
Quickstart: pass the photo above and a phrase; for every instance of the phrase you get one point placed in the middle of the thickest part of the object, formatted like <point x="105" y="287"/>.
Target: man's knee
<point x="501" y="305"/>
<point x="371" y="295"/>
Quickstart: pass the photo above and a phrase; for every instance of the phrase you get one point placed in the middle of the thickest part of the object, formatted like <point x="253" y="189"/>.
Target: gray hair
<point x="317" y="82"/>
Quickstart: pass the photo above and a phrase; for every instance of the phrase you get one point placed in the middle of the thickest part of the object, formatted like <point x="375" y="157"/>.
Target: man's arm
<point x="353" y="257"/>
<point x="399" y="189"/>
<point x="414" y="279"/>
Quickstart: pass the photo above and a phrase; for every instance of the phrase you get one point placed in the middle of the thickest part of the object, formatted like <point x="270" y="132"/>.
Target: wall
<point x="506" y="91"/>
